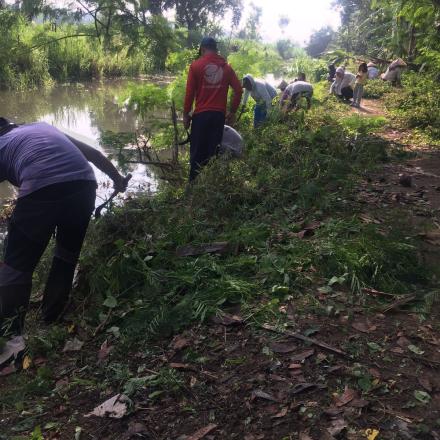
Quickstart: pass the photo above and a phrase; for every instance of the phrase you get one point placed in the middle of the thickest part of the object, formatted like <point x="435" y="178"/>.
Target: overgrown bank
<point x="296" y="180"/>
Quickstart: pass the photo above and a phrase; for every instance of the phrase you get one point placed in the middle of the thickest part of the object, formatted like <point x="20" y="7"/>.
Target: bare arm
<point x="101" y="162"/>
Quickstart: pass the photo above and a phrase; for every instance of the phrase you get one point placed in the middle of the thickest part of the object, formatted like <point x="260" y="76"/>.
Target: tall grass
<point x="33" y="55"/>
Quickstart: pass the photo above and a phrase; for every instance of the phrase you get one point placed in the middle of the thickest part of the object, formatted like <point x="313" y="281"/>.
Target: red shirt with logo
<point x="209" y="79"/>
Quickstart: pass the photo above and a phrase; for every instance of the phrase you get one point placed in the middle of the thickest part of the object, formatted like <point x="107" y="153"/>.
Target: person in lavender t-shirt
<point x="56" y="193"/>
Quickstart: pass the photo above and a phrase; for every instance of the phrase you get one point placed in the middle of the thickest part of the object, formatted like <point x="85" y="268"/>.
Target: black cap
<point x="4" y="122"/>
<point x="208" y="43"/>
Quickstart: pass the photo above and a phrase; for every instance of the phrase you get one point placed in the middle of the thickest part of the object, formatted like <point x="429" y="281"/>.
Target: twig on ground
<point x="399" y="302"/>
<point x="306" y="339"/>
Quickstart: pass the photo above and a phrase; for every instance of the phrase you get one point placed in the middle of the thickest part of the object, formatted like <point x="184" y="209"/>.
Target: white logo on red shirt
<point x="213" y="74"/>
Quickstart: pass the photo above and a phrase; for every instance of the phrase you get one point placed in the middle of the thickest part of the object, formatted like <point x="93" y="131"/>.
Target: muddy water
<point x="85" y="111"/>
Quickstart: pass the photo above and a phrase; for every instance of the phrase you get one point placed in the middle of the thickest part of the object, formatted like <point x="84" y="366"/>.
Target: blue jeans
<point x="260" y="114"/>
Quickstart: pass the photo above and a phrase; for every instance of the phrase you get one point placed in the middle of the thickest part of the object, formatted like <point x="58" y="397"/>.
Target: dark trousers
<point x="206" y="136"/>
<point x="64" y="209"/>
<point x="347" y="93"/>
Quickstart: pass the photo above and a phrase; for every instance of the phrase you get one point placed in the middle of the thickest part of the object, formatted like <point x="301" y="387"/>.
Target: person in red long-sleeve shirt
<point x="208" y="82"/>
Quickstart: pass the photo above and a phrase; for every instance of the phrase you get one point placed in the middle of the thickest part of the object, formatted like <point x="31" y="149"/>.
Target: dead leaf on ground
<point x="27" y="362"/>
<point x="61" y="383"/>
<point x="263" y="395"/>
<point x="281" y="414"/>
<point x="73" y="345"/>
<point x="347" y="396"/>
<point x="303" y="387"/>
<point x="359" y="403"/>
<point x="116" y="407"/>
<point x="104" y="351"/>
<point x="295" y="366"/>
<point x="179" y="343"/>
<point x="221" y="247"/>
<point x="302" y="356"/>
<point x="365" y="218"/>
<point x="40" y="361"/>
<point x="10" y="369"/>
<point x="363" y="327"/>
<point x="280" y="347"/>
<point x="202" y="432"/>
<point x="375" y="373"/>
<point x="304" y="436"/>
<point x="403" y="342"/>
<point x="135" y="428"/>
<point x="333" y="411"/>
<point x="337" y="426"/>
<point x="431" y="237"/>
<point x="178" y="366"/>
<point x="228" y="320"/>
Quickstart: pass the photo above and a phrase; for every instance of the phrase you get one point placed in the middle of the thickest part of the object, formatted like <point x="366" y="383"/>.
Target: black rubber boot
<point x="14" y="302"/>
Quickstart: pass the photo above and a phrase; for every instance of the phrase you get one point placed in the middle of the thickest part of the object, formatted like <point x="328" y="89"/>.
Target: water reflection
<point x="84" y="111"/>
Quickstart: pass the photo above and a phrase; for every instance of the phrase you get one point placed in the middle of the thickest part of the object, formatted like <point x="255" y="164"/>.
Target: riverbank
<point x="311" y="233"/>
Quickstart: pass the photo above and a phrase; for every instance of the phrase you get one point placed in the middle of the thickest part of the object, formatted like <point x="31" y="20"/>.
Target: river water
<point x="85" y="111"/>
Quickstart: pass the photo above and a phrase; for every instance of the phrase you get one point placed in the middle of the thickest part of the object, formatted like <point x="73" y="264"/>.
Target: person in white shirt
<point x="394" y="72"/>
<point x="343" y="84"/>
<point x="232" y="142"/>
<point x="293" y="93"/>
<point x="263" y="94"/>
<point x="373" y="71"/>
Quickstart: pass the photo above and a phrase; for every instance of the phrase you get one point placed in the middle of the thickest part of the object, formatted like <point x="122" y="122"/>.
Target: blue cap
<point x="209" y="43"/>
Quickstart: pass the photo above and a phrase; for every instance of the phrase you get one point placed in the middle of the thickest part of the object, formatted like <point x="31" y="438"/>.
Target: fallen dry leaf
<point x="178" y="366"/>
<point x="295" y="366"/>
<point x="337" y="426"/>
<point x="375" y="373"/>
<point x="10" y="369"/>
<point x="135" y="428"/>
<point x="116" y="407"/>
<point x="363" y="327"/>
<point x="304" y="436"/>
<point x="303" y="387"/>
<point x="263" y="395"/>
<point x="179" y="343"/>
<point x="228" y="320"/>
<point x="27" y="362"/>
<point x="359" y="403"/>
<point x="202" y="432"/>
<point x="302" y="356"/>
<point x="73" y="345"/>
<point x="282" y="347"/>
<point x="104" y="351"/>
<point x="333" y="411"/>
<point x="281" y="414"/>
<point x="346" y="397"/>
<point x="431" y="237"/>
<point x="40" y="361"/>
<point x="403" y="342"/>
